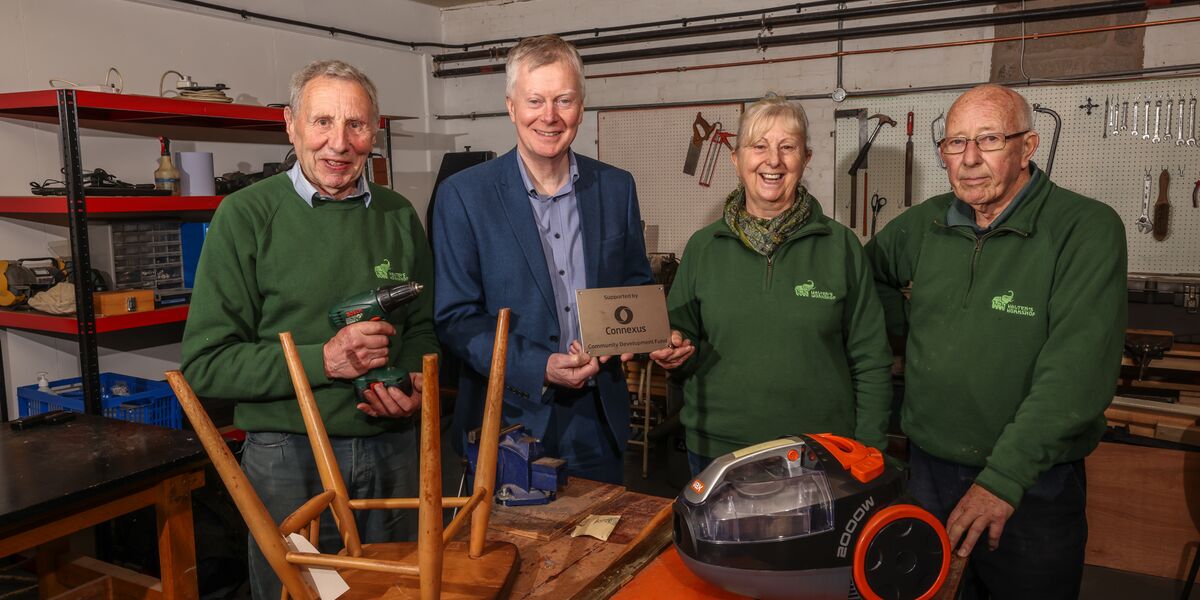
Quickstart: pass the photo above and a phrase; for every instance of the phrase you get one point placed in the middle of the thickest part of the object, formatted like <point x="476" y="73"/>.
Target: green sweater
<point x="786" y="345"/>
<point x="271" y="264"/>
<point x="1015" y="338"/>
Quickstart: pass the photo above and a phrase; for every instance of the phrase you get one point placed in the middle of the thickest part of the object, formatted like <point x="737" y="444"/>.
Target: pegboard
<point x="652" y="145"/>
<point x="1110" y="169"/>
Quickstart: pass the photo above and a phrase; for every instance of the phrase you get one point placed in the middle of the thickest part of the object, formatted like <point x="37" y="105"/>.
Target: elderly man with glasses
<point x="1011" y="293"/>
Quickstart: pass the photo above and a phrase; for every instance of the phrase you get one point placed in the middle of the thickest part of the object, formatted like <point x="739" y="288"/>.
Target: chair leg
<point x="489" y="442"/>
<point x="429" y="548"/>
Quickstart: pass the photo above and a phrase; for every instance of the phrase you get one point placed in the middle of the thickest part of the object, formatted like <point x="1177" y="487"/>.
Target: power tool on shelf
<point x="810" y="517"/>
<point x="376" y="305"/>
<point x="19" y="281"/>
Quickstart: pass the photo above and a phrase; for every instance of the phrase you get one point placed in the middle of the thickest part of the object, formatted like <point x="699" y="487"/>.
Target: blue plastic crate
<point x="150" y="402"/>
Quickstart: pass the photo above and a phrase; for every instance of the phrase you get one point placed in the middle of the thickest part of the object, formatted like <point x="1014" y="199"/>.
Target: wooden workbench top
<point x="555" y="565"/>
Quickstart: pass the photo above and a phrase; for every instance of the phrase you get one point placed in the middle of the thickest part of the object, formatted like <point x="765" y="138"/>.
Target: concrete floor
<point x="668" y="473"/>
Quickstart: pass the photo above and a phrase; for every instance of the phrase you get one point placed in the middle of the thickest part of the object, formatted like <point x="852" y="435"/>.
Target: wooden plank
<point x="1158" y="385"/>
<point x="100" y="588"/>
<point x="564" y="566"/>
<point x="75" y="521"/>
<point x="548" y="521"/>
<point x="1182" y="435"/>
<point x="1147" y="417"/>
<point x="126" y="584"/>
<point x="1143" y="510"/>
<point x="176" y="545"/>
<point x="654" y="537"/>
<point x="49" y="559"/>
<point x="1155" y="405"/>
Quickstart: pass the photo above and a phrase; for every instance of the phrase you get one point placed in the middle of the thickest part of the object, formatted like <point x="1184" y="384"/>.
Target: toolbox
<point x="122" y="397"/>
<point x="120" y="302"/>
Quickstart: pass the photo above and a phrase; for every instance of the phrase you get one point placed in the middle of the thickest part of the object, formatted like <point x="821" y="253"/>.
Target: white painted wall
<point x="79" y="40"/>
<point x="1164" y="45"/>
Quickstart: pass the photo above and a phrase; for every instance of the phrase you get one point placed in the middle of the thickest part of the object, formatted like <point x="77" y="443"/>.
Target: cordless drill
<point x="375" y="305"/>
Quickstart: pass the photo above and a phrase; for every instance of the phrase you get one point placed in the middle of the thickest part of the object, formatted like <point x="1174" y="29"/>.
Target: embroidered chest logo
<point x="383" y="270"/>
<point x="1004" y="303"/>
<point x="808" y="290"/>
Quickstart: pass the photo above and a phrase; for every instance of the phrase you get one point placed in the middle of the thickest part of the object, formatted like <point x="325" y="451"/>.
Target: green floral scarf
<point x="764" y="235"/>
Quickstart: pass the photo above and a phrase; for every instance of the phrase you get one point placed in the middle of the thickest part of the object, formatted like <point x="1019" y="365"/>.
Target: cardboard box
<point x="121" y="302"/>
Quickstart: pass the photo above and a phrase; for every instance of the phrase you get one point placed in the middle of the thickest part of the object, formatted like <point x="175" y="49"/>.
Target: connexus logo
<point x="1004" y="303"/>
<point x="807" y="290"/>
<point x="623" y="315"/>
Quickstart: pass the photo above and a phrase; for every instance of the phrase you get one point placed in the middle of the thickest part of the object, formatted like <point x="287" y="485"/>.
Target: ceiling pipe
<point x="861" y="93"/>
<point x="682" y="21"/>
<point x="1044" y="35"/>
<point x="762" y="23"/>
<point x="878" y="30"/>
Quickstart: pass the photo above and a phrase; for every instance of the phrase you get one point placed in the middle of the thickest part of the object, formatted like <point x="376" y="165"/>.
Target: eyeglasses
<point x="986" y="142"/>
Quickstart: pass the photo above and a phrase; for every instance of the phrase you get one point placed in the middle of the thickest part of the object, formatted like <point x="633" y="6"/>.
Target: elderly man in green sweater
<point x="1014" y="323"/>
<point x="278" y="256"/>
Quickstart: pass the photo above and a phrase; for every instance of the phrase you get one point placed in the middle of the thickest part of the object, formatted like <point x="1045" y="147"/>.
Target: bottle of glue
<point x="43" y="384"/>
<point x="166" y="176"/>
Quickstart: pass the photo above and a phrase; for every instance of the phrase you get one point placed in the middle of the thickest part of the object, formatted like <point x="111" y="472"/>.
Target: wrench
<point x="1125" y="116"/>
<point x="1108" y="114"/>
<point x="1146" y="120"/>
<point x="1143" y="222"/>
<point x="1179" y="124"/>
<point x="1192" y="107"/>
<point x="1157" y="108"/>
<point x="1167" y="132"/>
<point x="1136" y="103"/>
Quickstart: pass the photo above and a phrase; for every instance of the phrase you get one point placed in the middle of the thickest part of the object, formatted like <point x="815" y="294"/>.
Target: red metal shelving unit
<point x="42" y="105"/>
<point x="36" y="321"/>
<point x="109" y="206"/>
<point x="76" y="109"/>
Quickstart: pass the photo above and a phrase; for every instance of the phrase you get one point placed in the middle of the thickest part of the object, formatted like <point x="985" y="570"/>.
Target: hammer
<point x="862" y="156"/>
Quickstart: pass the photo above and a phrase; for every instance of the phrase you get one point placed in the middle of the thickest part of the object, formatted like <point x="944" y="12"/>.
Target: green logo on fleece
<point x="807" y="290"/>
<point x="383" y="270"/>
<point x="1003" y="303"/>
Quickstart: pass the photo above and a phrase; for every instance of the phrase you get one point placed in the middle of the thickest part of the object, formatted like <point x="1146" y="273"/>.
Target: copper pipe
<point x="891" y="49"/>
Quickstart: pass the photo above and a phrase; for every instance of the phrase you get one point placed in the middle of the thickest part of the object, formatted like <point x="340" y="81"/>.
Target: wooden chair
<point x="434" y="566"/>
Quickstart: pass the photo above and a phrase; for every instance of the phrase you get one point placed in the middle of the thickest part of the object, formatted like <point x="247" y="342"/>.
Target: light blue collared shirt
<point x="557" y="218"/>
<point x="308" y="191"/>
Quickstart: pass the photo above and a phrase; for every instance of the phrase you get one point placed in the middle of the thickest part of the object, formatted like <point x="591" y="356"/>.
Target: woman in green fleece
<point x="780" y="302"/>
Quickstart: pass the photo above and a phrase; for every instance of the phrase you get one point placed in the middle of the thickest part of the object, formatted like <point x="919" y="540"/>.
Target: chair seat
<point x="489" y="576"/>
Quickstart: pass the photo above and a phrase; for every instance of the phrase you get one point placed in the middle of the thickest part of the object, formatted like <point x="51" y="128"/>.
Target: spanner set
<point x="1166" y="127"/>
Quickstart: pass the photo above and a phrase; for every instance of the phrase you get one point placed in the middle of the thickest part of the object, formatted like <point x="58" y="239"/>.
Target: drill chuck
<point x="392" y="297"/>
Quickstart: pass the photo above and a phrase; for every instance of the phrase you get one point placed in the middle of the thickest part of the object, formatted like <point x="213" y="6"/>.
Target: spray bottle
<point x="166" y="177"/>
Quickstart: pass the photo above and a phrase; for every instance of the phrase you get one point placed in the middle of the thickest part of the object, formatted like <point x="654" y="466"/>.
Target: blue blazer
<point x="488" y="255"/>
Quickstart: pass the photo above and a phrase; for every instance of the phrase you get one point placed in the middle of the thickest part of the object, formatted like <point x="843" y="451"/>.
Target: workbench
<point x="58" y="479"/>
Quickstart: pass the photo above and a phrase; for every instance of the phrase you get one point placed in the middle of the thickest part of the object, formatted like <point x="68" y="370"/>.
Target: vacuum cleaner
<point x="810" y="517"/>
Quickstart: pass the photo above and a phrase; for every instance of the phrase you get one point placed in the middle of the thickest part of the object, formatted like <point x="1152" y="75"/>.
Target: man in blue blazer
<point x="525" y="231"/>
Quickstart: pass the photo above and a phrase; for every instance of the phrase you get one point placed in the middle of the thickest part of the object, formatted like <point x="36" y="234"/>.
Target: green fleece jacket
<point x="271" y="263"/>
<point x="1015" y="338"/>
<point x="790" y="344"/>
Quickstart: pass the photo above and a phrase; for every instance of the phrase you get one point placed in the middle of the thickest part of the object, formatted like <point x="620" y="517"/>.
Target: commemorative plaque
<point x="622" y="320"/>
